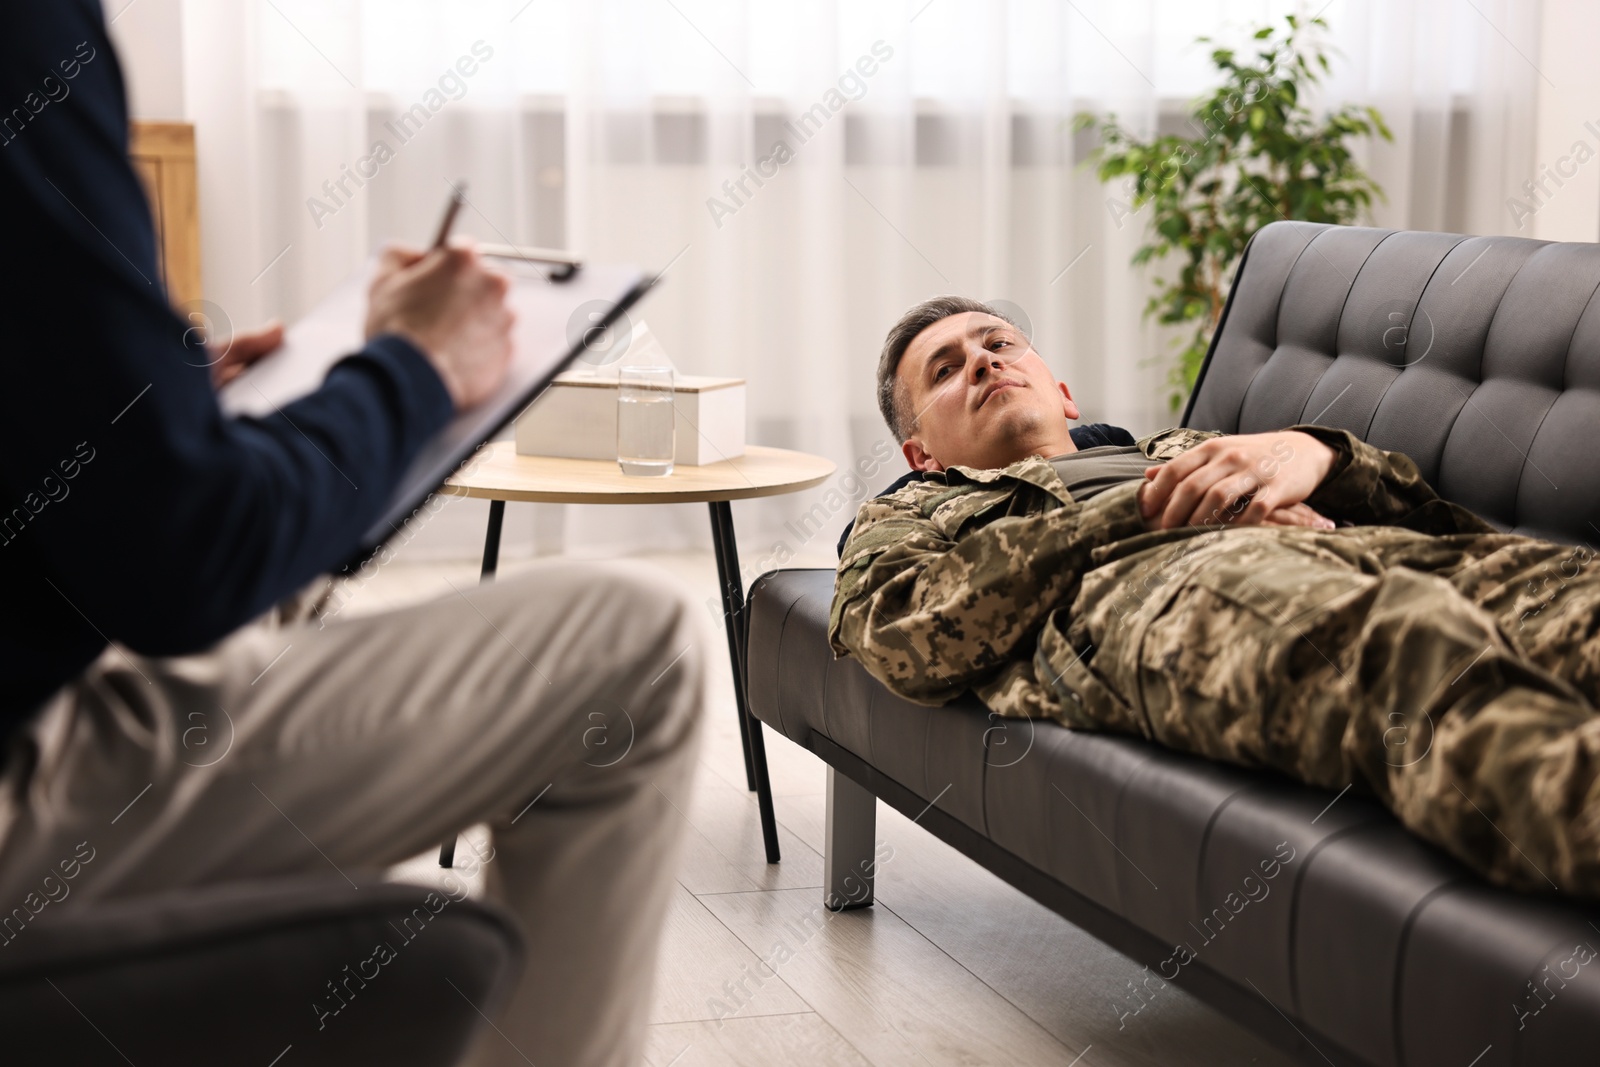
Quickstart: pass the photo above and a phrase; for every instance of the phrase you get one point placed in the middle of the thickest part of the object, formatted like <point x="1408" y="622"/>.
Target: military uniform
<point x="1446" y="668"/>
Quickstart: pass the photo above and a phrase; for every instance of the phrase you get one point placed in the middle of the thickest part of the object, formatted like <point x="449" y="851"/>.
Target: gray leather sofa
<point x="1480" y="358"/>
<point x="282" y="971"/>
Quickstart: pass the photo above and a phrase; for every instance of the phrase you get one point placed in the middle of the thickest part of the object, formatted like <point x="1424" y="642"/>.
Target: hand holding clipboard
<point x="543" y="343"/>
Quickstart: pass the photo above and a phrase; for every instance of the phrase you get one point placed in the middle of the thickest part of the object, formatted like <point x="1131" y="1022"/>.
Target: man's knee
<point x="649" y="609"/>
<point x="617" y="624"/>
<point x="644" y="624"/>
<point x="609" y="602"/>
<point x="655" y="648"/>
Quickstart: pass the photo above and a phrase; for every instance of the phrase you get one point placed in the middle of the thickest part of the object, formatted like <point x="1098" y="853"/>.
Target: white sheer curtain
<point x="929" y="150"/>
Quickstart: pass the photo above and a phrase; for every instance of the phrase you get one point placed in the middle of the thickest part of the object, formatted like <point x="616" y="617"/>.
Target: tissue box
<point x="576" y="418"/>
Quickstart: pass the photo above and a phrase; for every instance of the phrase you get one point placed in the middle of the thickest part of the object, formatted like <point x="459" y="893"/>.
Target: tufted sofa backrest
<point x="1478" y="357"/>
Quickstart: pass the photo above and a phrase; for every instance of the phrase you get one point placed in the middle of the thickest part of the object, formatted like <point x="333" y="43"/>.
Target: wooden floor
<point x="950" y="966"/>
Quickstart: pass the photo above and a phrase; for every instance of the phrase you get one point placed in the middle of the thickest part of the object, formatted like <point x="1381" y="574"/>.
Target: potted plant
<point x="1258" y="154"/>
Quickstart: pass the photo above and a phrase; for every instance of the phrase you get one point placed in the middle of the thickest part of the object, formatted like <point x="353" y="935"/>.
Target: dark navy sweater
<point x="131" y="508"/>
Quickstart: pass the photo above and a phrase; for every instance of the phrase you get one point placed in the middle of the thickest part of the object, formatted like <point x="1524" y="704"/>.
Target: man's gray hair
<point x="891" y="395"/>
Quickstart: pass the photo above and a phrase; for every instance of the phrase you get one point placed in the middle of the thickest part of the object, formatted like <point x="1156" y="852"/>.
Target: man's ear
<point x="1069" y="406"/>
<point x="918" y="457"/>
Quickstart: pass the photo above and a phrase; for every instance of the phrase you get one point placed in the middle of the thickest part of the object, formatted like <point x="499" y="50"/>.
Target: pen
<point x="457" y="197"/>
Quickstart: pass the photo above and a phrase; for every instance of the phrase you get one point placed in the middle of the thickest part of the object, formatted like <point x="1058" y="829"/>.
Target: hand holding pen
<point x="450" y="306"/>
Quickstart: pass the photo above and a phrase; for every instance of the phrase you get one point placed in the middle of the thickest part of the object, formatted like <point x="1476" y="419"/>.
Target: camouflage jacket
<point x="943" y="585"/>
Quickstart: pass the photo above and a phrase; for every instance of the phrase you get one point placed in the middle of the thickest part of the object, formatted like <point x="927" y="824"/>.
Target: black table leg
<point x="722" y="538"/>
<point x="735" y="653"/>
<point x="491" y="563"/>
<point x="724" y="569"/>
<point x="491" y="540"/>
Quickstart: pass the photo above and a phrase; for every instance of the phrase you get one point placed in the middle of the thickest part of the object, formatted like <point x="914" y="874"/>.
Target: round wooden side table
<point x="498" y="474"/>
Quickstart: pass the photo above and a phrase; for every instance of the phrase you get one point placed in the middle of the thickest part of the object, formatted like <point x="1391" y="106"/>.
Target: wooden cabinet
<point x="163" y="155"/>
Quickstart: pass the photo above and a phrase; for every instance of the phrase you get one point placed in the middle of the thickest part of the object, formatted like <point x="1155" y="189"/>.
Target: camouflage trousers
<point x="1455" y="678"/>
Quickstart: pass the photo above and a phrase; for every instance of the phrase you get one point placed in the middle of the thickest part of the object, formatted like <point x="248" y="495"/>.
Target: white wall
<point x="1569" y="115"/>
<point x="148" y="35"/>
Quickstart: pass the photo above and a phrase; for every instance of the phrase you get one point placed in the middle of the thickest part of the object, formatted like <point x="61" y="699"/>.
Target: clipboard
<point x="558" y="317"/>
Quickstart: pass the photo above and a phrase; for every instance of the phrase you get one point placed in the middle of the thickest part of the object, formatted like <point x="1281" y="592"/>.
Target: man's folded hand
<point x="1245" y="480"/>
<point x="1299" y="515"/>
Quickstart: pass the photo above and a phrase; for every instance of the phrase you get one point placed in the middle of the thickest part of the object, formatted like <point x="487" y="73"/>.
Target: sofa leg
<point x="847" y="863"/>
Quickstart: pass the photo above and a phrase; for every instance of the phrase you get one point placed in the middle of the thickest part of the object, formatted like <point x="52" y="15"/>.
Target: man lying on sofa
<point x="1298" y="600"/>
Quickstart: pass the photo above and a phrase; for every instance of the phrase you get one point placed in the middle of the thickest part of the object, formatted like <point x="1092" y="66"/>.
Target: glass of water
<point x="646" y="424"/>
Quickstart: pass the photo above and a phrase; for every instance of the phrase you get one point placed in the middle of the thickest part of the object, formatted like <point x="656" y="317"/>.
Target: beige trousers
<point x="561" y="706"/>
